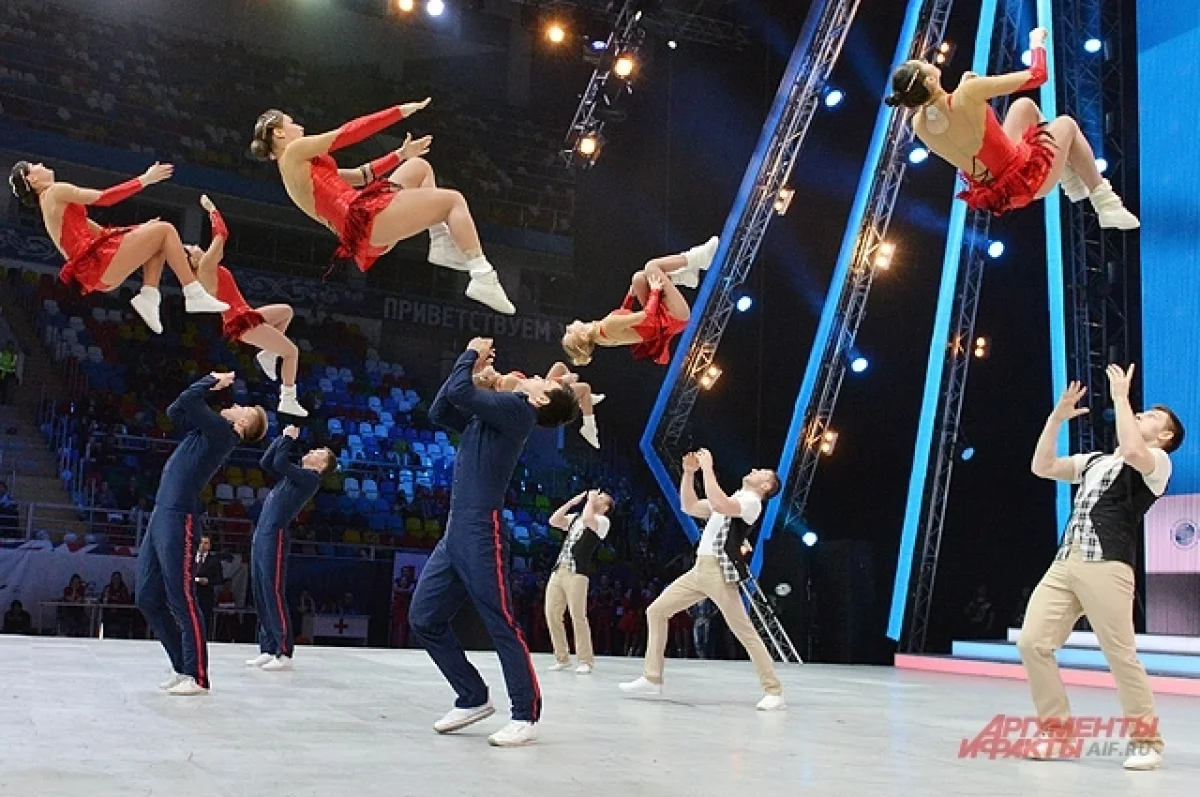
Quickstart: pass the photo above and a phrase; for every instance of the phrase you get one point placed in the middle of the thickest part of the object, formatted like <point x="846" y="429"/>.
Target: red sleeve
<point x="111" y="196"/>
<point x="218" y="225"/>
<point x="385" y="165"/>
<point x="1038" y="73"/>
<point x="364" y="127"/>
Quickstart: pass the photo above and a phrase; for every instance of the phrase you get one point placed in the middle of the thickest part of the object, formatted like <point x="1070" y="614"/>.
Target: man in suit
<point x="209" y="576"/>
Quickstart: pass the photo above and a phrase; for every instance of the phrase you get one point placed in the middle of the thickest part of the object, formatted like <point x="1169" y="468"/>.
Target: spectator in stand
<point x="9" y="516"/>
<point x="402" y="592"/>
<point x="702" y="615"/>
<point x="17" y="620"/>
<point x="209" y="576"/>
<point x="116" y="621"/>
<point x="72" y="620"/>
<point x="979" y="614"/>
<point x="8" y="372"/>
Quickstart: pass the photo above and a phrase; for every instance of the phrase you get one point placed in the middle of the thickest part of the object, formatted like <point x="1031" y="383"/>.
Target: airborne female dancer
<point x="663" y="316"/>
<point x="264" y="327"/>
<point x="370" y="221"/>
<point x="1006" y="166"/>
<point x="560" y="374"/>
<point x="101" y="258"/>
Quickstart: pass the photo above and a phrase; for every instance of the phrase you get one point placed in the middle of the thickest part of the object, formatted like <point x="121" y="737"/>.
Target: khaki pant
<point x="1104" y="592"/>
<point x="706" y="581"/>
<point x="568" y="591"/>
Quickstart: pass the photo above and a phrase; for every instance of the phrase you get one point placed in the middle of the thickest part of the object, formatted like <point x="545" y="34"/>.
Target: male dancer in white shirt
<point x="568" y="587"/>
<point x="719" y="568"/>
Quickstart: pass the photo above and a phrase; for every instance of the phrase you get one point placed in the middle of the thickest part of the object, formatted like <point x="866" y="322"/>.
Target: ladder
<point x="766" y="623"/>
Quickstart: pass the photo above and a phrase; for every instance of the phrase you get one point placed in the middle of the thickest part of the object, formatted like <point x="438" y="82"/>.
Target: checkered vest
<point x="728" y="545"/>
<point x="1107" y="517"/>
<point x="578" y="548"/>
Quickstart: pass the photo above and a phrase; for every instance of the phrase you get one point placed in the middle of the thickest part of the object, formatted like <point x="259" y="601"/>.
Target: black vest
<point x="739" y="532"/>
<point x="584" y="549"/>
<point x="1117" y="516"/>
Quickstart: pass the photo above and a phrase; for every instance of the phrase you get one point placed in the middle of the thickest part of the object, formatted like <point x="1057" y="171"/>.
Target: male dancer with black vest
<point x="719" y="568"/>
<point x="568" y="586"/>
<point x="1093" y="572"/>
<point x="471" y="560"/>
<point x="166" y="588"/>
<point x="271" y="542"/>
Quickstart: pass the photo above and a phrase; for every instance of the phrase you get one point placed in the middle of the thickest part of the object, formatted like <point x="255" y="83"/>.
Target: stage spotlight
<point x="744" y="303"/>
<point x="944" y="51"/>
<point x="983" y="347"/>
<point x="555" y="33"/>
<point x="883" y="256"/>
<point x="406" y="5"/>
<point x="624" y="66"/>
<point x="435" y="8"/>
<point x="918" y="155"/>
<point x="672" y="43"/>
<point x="710" y="377"/>
<point x="1101" y="165"/>
<point x="783" y="200"/>
<point x="597" y="45"/>
<point x="809" y="538"/>
<point x="859" y="364"/>
<point x="967" y="453"/>
<point x="833" y="98"/>
<point x="1093" y="46"/>
<point x="1026" y="58"/>
<point x="995" y="249"/>
<point x="588" y="145"/>
<point x="829" y="442"/>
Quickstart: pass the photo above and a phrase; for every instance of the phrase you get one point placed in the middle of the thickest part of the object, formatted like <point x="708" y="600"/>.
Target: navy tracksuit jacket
<point x="471" y="560"/>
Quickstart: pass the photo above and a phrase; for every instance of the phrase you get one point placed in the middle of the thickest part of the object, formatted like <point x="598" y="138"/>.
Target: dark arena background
<point x="891" y="354"/>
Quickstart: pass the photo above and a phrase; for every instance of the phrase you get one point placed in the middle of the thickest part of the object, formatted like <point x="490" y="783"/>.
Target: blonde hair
<point x="579" y="353"/>
<point x="256" y="427"/>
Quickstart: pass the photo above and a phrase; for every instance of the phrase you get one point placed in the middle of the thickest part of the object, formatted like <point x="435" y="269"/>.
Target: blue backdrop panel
<point x="1169" y="118"/>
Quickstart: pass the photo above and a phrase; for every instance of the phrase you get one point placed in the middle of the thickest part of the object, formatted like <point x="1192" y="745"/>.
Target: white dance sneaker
<point x="485" y="288"/>
<point x="1073" y="185"/>
<point x="458" y="718"/>
<point x="559" y="666"/>
<point x="699" y="258"/>
<point x="583" y="669"/>
<point x="771" y="703"/>
<point x="198" y="300"/>
<point x="259" y="660"/>
<point x="278" y="664"/>
<point x="175" y="679"/>
<point x="1142" y="762"/>
<point x="517" y="733"/>
<point x="146" y="305"/>
<point x="268" y="361"/>
<point x="289" y="404"/>
<point x="597" y="398"/>
<point x="641" y="687"/>
<point x="187" y="688"/>
<point x="589" y="432"/>
<point x="442" y="250"/>
<point x="1111" y="210"/>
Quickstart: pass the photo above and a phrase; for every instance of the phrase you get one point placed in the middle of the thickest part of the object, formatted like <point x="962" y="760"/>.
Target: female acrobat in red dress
<point x="663" y="316"/>
<point x="101" y="258"/>
<point x="370" y="212"/>
<point x="1006" y="165"/>
<point x="264" y="328"/>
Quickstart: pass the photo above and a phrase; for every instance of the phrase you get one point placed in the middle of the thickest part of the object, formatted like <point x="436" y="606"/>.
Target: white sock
<point x="479" y="266"/>
<point x="440" y="230"/>
<point x="150" y="293"/>
<point x="194" y="290"/>
<point x="589" y="421"/>
<point x="287" y="391"/>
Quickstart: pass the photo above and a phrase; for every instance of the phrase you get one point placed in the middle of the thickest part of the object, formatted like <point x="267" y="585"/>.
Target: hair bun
<point x="892" y="100"/>
<point x="259" y="150"/>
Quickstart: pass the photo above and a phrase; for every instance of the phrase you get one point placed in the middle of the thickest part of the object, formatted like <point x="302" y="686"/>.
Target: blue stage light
<point x="744" y="303"/>
<point x="809" y="538"/>
<point x="1027" y="58"/>
<point x="834" y="98"/>
<point x="967" y="453"/>
<point x="859" y="364"/>
<point x="1101" y="165"/>
<point x="918" y="155"/>
<point x="598" y="44"/>
<point x="995" y="249"/>
<point x="1093" y="46"/>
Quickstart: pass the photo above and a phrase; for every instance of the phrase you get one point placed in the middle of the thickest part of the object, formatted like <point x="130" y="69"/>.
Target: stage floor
<point x="82" y="718"/>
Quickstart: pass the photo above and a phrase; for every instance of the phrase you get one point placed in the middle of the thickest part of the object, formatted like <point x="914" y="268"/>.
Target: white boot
<point x="597" y="398"/>
<point x="269" y="362"/>
<point x="1072" y="185"/>
<point x="699" y="258"/>
<point x="589" y="431"/>
<point x="146" y="305"/>
<point x="1111" y="210"/>
<point x="288" y="402"/>
<point x="198" y="300"/>
<point x="442" y="250"/>
<point x="485" y="287"/>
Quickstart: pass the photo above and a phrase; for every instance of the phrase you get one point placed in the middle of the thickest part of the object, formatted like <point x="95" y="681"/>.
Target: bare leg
<point x="583" y="392"/>
<point x="278" y="315"/>
<point x="1022" y="115"/>
<point x="152" y="271"/>
<point x="557" y="371"/>
<point x="1073" y="147"/>
<point x="414" y="173"/>
<point x="154" y="239"/>
<point x="268" y="338"/>
<point x="667" y="263"/>
<point x="639" y="287"/>
<point x="414" y="211"/>
<point x="671" y="297"/>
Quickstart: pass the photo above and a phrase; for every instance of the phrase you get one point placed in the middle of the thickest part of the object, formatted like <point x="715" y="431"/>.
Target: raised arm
<point x="1129" y="437"/>
<point x="687" y="490"/>
<point x="445" y="414"/>
<point x="216" y="247"/>
<point x="352" y="132"/>
<point x="280" y="447"/>
<point x="716" y="497"/>
<point x="984" y="88"/>
<point x="507" y="412"/>
<point x="1046" y="462"/>
<point x="73" y="194"/>
<point x="191" y="408"/>
<point x="559" y="519"/>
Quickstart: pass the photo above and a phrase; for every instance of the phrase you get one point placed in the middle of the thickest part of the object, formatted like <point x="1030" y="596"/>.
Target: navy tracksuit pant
<point x="166" y="590"/>
<point x="471" y="561"/>
<point x="268" y="562"/>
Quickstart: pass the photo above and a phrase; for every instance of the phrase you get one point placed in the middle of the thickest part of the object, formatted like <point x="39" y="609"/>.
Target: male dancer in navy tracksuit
<point x="269" y="547"/>
<point x="471" y="560"/>
<point x="166" y="588"/>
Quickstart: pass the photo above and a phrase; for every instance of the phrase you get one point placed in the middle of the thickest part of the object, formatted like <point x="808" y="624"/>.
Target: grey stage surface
<point x="83" y="718"/>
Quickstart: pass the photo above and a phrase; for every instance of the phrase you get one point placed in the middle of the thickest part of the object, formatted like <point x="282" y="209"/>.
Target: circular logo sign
<point x="1184" y="534"/>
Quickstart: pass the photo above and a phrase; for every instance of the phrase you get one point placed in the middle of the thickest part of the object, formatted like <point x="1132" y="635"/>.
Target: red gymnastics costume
<point x="90" y="250"/>
<point x="1014" y="170"/>
<point x="656" y="330"/>
<point x="240" y="318"/>
<point x="350" y="211"/>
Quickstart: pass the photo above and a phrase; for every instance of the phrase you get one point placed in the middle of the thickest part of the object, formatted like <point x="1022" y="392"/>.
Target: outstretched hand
<point x="1038" y="37"/>
<point x="207" y="203"/>
<point x="291" y="431"/>
<point x="705" y="459"/>
<point x="691" y="463"/>
<point x="414" y="148"/>
<point x="1119" y="381"/>
<point x="157" y="173"/>
<point x="1066" y="408"/>
<point x="409" y="108"/>
<point x="224" y="380"/>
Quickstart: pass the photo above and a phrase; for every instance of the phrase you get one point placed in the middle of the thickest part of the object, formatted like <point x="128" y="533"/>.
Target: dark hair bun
<point x="259" y="150"/>
<point x="892" y="101"/>
<point x="18" y="180"/>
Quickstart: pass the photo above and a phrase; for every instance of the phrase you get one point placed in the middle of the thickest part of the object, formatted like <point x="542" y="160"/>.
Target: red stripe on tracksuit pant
<point x="268" y="563"/>
<point x="471" y="561"/>
<point x="166" y="591"/>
